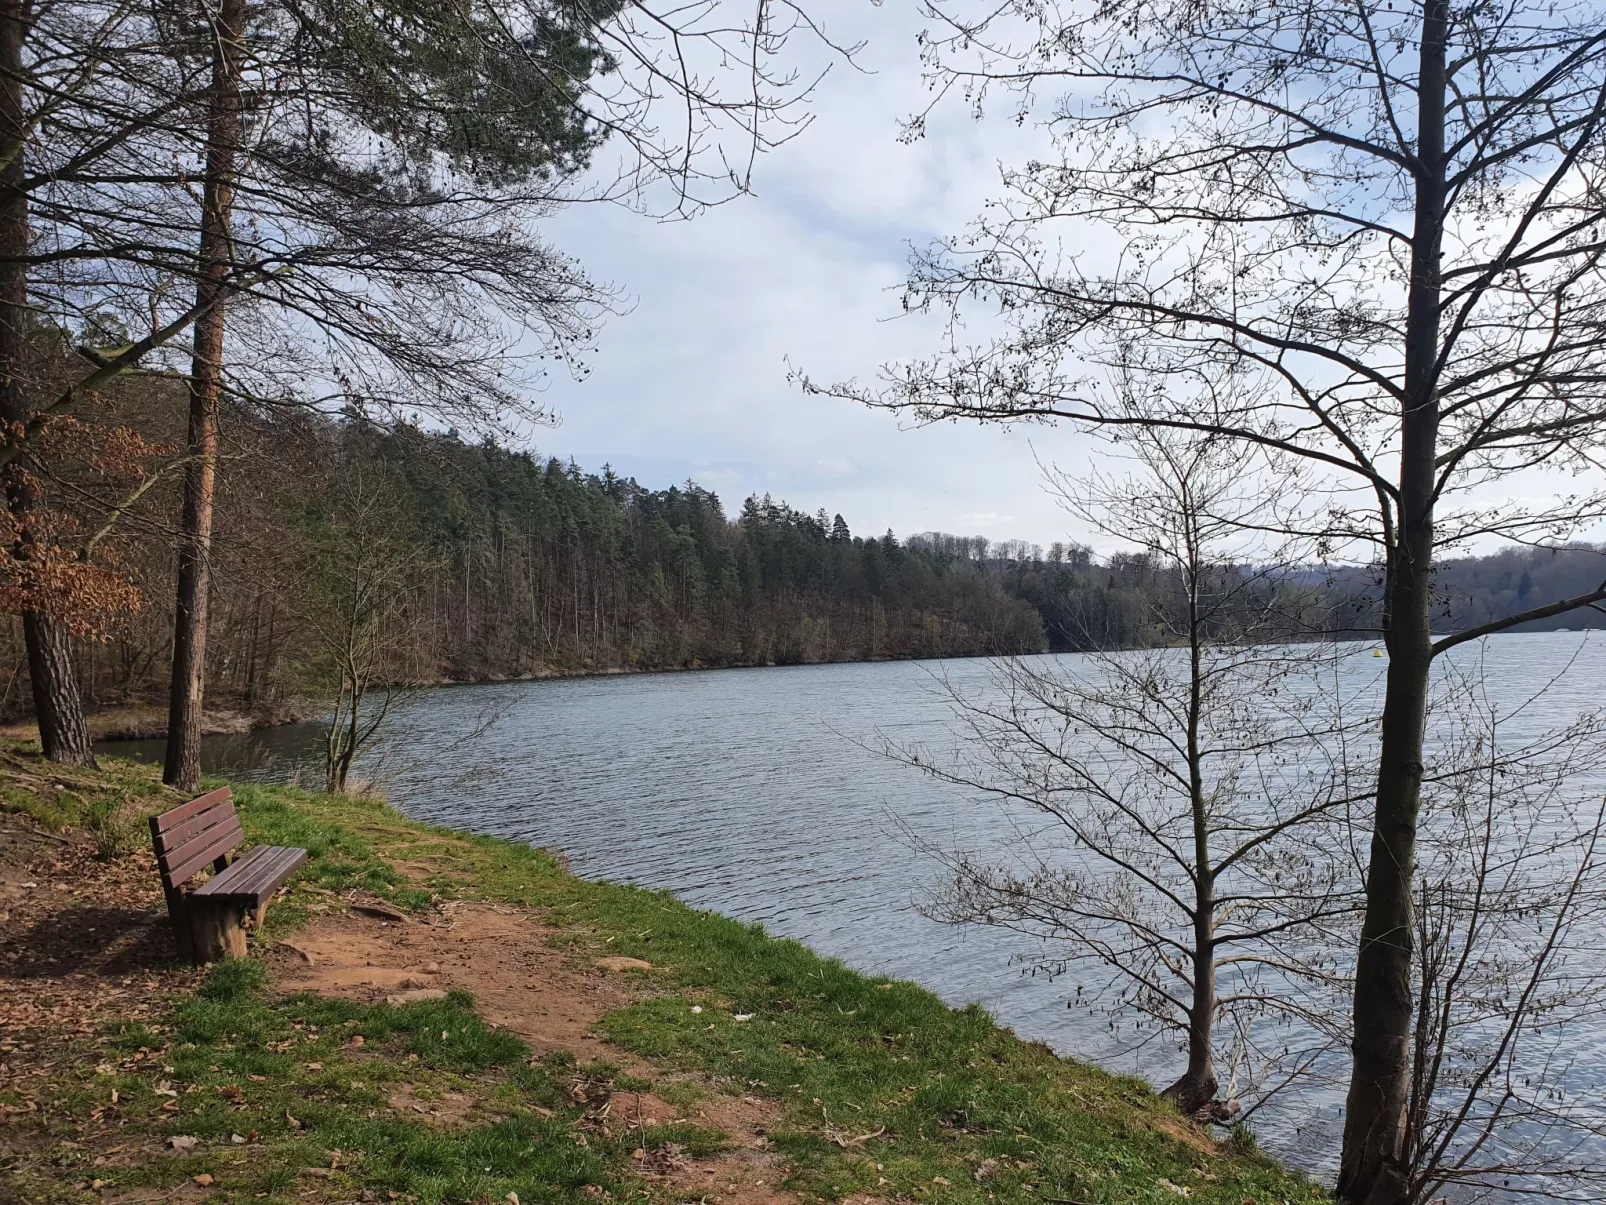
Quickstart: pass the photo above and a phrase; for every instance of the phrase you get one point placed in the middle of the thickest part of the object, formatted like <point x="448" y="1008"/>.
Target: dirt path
<point x="524" y="983"/>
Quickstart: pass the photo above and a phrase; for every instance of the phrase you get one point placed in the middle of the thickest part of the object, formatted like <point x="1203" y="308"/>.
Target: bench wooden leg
<point x="217" y="929"/>
<point x="178" y="914"/>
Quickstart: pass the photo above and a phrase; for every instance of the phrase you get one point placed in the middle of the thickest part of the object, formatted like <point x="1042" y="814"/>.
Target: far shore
<point x="148" y="721"/>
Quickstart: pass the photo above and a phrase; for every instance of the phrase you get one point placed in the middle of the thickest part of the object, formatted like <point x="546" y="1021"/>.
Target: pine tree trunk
<point x="1372" y="1170"/>
<point x="182" y="766"/>
<point x="63" y="735"/>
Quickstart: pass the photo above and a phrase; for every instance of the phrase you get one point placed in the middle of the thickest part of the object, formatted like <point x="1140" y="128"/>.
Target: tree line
<point x="508" y="564"/>
<point x="499" y="563"/>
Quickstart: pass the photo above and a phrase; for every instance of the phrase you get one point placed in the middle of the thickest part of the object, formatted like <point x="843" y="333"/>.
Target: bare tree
<point x="1198" y="850"/>
<point x="1364" y="235"/>
<point x="361" y="553"/>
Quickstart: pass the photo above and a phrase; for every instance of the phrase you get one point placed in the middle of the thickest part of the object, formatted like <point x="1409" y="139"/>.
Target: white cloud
<point x="837" y="466"/>
<point x="721" y="481"/>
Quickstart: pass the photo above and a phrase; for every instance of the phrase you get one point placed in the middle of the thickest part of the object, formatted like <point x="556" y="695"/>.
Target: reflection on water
<point x="752" y="792"/>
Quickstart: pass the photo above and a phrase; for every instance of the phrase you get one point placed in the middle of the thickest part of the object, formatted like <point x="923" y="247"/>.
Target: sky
<point x="692" y="382"/>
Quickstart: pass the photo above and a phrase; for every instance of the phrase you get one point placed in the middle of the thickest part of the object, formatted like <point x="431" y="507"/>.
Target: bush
<point x="107" y="818"/>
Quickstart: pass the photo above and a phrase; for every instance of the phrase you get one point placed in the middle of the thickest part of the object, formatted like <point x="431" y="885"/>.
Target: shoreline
<point x="141" y="721"/>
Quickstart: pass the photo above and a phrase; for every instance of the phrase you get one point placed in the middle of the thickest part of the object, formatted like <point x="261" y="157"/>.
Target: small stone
<point x="237" y="1139"/>
<point x="357" y="1041"/>
<point x="181" y="1142"/>
<point x="432" y="968"/>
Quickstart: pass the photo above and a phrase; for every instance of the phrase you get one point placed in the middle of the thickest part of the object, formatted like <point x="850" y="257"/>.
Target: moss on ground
<point x="885" y="1091"/>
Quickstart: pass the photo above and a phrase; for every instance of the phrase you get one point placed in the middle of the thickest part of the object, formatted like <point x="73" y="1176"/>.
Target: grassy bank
<point x="876" y="1089"/>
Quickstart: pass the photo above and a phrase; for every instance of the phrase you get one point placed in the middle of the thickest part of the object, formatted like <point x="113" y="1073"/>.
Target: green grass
<point x="934" y="1104"/>
<point x="287" y="1076"/>
<point x="108" y="802"/>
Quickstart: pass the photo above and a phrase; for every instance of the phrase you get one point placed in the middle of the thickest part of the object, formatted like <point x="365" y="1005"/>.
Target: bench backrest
<point x="195" y="835"/>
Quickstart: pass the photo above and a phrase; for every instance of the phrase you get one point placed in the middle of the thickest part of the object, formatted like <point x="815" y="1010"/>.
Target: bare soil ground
<point x="81" y="941"/>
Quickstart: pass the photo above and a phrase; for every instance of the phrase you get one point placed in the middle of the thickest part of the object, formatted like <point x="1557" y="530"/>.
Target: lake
<point x="758" y="793"/>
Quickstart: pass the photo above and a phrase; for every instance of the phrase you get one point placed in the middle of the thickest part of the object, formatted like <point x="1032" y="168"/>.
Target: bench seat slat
<point x="274" y="873"/>
<point x="263" y="865"/>
<point x="184" y="811"/>
<point x="198" y="854"/>
<point x="256" y="875"/>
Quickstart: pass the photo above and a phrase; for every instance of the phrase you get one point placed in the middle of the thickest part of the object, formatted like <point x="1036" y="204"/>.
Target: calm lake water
<point x="757" y="793"/>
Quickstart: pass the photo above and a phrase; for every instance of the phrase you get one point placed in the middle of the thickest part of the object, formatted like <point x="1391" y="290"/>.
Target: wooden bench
<point x="210" y="921"/>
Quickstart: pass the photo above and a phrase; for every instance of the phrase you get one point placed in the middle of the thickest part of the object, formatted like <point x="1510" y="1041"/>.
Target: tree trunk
<point x="1197" y="1087"/>
<point x="1371" y="1170"/>
<point x="182" y="766"/>
<point x="63" y="735"/>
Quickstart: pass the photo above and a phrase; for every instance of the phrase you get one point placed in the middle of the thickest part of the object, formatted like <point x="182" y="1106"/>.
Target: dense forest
<point x="499" y="563"/>
<point x="482" y="562"/>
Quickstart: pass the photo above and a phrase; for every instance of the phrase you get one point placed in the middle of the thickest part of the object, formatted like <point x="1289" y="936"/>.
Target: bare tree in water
<point x="1198" y="793"/>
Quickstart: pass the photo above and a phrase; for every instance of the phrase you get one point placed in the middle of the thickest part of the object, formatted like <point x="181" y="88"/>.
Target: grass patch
<point x="270" y="1088"/>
